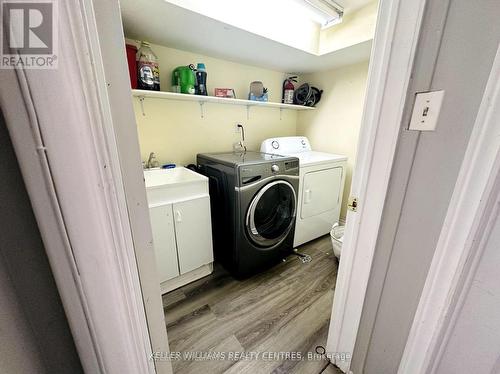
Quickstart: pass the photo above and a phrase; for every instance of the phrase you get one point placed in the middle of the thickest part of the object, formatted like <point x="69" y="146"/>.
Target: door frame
<point x="102" y="120"/>
<point x="473" y="208"/>
<point x="105" y="37"/>
<point x="393" y="53"/>
<point x="63" y="129"/>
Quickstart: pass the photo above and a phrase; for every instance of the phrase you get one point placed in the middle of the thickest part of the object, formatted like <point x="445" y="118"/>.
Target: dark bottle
<point x="148" y="72"/>
<point x="201" y="80"/>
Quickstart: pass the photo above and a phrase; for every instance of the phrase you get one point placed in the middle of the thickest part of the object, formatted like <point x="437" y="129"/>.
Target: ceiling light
<point x="330" y="11"/>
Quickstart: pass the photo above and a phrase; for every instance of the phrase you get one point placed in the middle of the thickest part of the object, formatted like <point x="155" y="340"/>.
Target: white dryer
<point x="322" y="178"/>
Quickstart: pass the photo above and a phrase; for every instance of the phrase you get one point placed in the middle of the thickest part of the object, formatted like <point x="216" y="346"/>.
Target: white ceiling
<point x="161" y="22"/>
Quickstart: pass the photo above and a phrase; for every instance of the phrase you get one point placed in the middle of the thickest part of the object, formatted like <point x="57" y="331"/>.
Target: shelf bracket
<point x="141" y="101"/>
<point x="202" y="112"/>
<point x="281" y="113"/>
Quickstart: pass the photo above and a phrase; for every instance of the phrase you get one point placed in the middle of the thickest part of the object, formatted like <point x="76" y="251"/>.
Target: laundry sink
<point x="168" y="185"/>
<point x="161" y="177"/>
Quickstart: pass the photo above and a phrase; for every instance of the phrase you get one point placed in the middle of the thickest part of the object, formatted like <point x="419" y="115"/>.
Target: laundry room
<point x="248" y="117"/>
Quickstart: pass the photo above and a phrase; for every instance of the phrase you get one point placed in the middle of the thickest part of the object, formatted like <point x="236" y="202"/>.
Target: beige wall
<point x="357" y="27"/>
<point x="334" y="125"/>
<point x="175" y="130"/>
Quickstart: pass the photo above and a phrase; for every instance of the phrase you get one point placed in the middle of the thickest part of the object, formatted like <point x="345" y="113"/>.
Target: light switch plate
<point x="426" y="110"/>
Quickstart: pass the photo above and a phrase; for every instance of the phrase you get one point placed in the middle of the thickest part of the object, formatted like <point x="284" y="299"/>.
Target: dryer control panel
<point x="286" y="145"/>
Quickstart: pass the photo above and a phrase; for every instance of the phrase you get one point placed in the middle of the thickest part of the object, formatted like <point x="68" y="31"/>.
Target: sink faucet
<point x="152" y="161"/>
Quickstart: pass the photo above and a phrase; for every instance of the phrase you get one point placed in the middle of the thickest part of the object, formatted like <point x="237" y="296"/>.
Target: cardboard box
<point x="225" y="92"/>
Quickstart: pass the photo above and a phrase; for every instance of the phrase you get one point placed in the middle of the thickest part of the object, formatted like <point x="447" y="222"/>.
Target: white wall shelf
<point x="142" y="94"/>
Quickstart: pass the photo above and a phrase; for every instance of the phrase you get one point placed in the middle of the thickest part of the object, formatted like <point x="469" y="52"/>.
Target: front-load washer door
<point x="271" y="214"/>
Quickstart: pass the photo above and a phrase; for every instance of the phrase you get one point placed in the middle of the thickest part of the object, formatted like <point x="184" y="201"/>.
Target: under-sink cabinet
<point x="179" y="208"/>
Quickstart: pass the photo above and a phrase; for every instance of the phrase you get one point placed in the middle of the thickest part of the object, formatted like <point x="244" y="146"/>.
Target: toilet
<point x="337" y="237"/>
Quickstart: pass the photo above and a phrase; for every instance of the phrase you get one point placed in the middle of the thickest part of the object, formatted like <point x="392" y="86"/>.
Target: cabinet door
<point x="321" y="191"/>
<point x="193" y="229"/>
<point x="162" y="224"/>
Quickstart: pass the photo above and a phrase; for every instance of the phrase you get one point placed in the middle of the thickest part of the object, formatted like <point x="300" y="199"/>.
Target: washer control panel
<point x="251" y="173"/>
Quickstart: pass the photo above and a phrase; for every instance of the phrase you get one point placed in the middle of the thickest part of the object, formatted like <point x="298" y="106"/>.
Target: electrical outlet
<point x="426" y="110"/>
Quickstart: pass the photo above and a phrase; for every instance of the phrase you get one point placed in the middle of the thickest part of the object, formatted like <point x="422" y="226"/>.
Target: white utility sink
<point x="160" y="177"/>
<point x="179" y="205"/>
<point x="168" y="185"/>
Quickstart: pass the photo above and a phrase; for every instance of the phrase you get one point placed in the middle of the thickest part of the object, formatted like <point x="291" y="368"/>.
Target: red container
<point x="132" y="64"/>
<point x="224" y="92"/>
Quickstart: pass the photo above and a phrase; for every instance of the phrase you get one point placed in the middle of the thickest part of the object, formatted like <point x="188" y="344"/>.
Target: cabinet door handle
<point x="178" y="216"/>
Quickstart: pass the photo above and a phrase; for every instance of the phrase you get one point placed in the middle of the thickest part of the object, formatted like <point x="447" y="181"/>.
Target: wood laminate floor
<point x="285" y="309"/>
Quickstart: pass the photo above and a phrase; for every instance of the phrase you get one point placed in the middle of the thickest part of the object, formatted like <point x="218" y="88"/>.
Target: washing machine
<point x="322" y="179"/>
<point x="253" y="199"/>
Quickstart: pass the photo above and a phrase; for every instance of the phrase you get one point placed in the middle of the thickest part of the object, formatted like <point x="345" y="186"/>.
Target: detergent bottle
<point x="148" y="72"/>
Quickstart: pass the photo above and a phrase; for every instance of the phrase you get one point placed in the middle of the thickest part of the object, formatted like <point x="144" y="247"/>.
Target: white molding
<point x="72" y="174"/>
<point x="459" y="246"/>
<point x="106" y="38"/>
<point x="98" y="107"/>
<point x="393" y="52"/>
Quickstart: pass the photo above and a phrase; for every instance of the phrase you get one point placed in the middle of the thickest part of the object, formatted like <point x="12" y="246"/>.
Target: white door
<point x="321" y="191"/>
<point x="391" y="64"/>
<point x="193" y="230"/>
<point x="162" y="224"/>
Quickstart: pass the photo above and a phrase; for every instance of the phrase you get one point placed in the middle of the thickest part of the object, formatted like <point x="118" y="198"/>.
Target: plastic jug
<point x="183" y="80"/>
